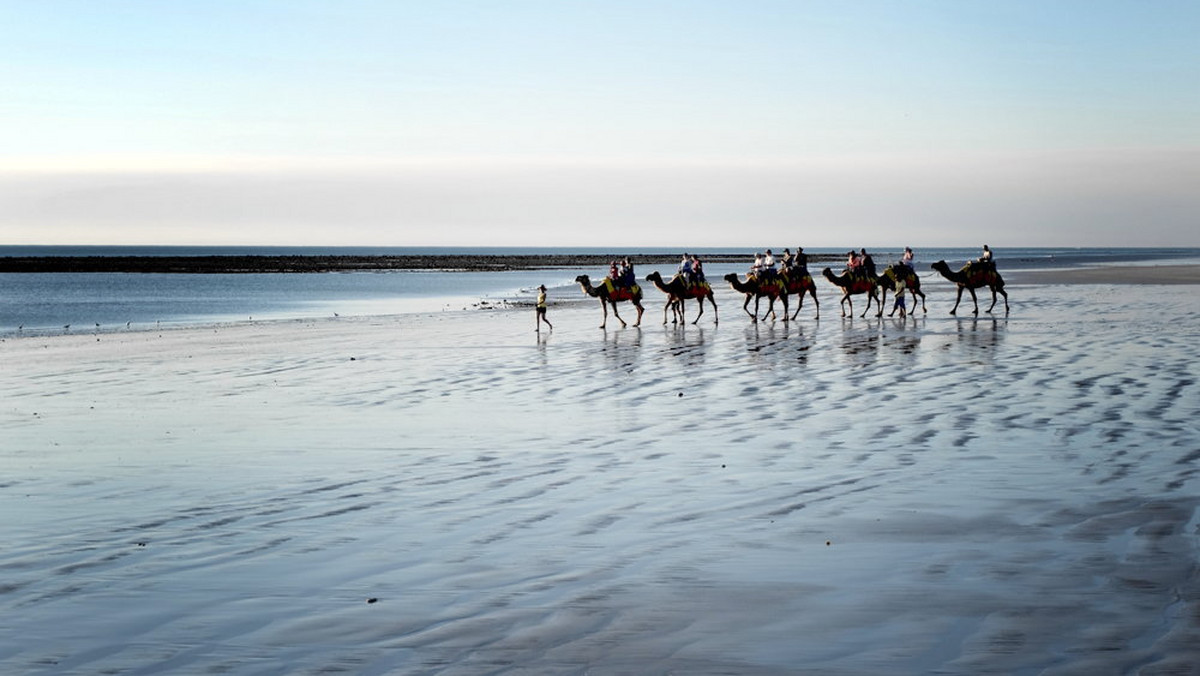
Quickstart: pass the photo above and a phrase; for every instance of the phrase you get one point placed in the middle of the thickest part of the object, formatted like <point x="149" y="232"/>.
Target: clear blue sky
<point x="689" y="123"/>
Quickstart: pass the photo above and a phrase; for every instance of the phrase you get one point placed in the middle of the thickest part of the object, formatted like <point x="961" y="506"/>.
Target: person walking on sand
<point x="901" y="286"/>
<point x="541" y="310"/>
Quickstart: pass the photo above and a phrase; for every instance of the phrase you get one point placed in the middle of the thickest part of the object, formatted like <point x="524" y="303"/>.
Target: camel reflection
<point x="622" y="348"/>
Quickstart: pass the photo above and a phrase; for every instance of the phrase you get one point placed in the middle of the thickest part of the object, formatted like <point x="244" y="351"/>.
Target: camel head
<point x="584" y="280"/>
<point x="654" y="277"/>
<point x="731" y="277"/>
<point x="940" y="266"/>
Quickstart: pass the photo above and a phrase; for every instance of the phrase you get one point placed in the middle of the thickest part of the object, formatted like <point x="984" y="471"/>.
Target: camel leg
<point x="957" y="300"/>
<point x="916" y="293"/>
<point x="975" y="300"/>
<point x="784" y="300"/>
<point x="989" y="310"/>
<point x="640" y="310"/>
<point x="816" y="303"/>
<point x="604" y="306"/>
<point x="746" y="307"/>
<point x="716" y="317"/>
<point x="846" y="299"/>
<point x="1005" y="294"/>
<point x="618" y="315"/>
<point x="699" y="301"/>
<point x="871" y="297"/>
<point x="799" y="305"/>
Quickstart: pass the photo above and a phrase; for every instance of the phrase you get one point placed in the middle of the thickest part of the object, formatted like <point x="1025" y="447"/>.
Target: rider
<point x="985" y="259"/>
<point x="697" y="270"/>
<point x="852" y="263"/>
<point x="868" y="263"/>
<point x="757" y="267"/>
<point x="769" y="265"/>
<point x="907" y="258"/>
<point x="800" y="260"/>
<point x="686" y="269"/>
<point x="627" y="276"/>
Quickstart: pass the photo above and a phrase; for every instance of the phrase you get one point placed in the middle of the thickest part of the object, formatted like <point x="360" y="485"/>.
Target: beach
<point x="455" y="493"/>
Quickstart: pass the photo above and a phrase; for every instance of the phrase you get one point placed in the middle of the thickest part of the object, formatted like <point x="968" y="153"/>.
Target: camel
<point x="753" y="289"/>
<point x="912" y="281"/>
<point x="973" y="276"/>
<point x="852" y="286"/>
<point x="679" y="291"/>
<point x="798" y="282"/>
<point x="616" y="295"/>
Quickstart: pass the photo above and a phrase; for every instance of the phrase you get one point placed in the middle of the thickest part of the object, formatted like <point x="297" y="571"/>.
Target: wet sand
<point x="1116" y="274"/>
<point x="457" y="494"/>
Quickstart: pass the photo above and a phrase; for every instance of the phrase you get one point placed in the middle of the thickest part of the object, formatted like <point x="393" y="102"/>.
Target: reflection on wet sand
<point x="938" y="495"/>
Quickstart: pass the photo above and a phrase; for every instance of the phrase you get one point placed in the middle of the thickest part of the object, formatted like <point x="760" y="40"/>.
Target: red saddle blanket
<point x="616" y="292"/>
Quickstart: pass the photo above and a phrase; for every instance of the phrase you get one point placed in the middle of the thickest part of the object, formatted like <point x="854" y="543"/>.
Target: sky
<point x="560" y="123"/>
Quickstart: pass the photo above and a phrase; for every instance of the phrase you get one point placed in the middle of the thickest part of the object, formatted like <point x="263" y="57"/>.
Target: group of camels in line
<point x="798" y="282"/>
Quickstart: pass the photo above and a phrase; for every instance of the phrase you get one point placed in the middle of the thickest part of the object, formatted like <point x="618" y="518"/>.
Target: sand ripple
<point x="453" y="494"/>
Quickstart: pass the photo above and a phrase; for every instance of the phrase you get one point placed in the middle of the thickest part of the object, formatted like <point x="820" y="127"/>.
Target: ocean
<point x="33" y="303"/>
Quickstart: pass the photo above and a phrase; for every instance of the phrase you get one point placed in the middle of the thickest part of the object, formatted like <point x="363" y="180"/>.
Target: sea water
<point x="33" y="303"/>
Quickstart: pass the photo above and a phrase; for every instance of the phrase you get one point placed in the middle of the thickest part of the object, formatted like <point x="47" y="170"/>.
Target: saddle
<point x="619" y="292"/>
<point x="797" y="278"/>
<point x="979" y="274"/>
<point x="772" y="285"/>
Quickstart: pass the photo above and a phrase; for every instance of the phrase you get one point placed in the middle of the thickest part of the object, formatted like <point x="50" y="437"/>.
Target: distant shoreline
<point x="238" y="264"/>
<point x="302" y="264"/>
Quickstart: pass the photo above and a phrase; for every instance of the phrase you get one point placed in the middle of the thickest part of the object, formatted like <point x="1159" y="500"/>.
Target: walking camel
<point x="679" y="291"/>
<point x="610" y="294"/>
<point x="754" y="288"/>
<point x="852" y="285"/>
<point x="972" y="276"/>
<point x="798" y="282"/>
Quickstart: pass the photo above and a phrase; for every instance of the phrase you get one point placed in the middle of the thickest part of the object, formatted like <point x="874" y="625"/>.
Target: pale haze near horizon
<point x="589" y="124"/>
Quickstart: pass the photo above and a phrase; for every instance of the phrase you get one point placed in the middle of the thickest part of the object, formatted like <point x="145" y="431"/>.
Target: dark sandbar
<point x="300" y="264"/>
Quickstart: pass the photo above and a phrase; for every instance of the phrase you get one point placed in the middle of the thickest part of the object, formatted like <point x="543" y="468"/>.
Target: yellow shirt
<point x="542" y="300"/>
